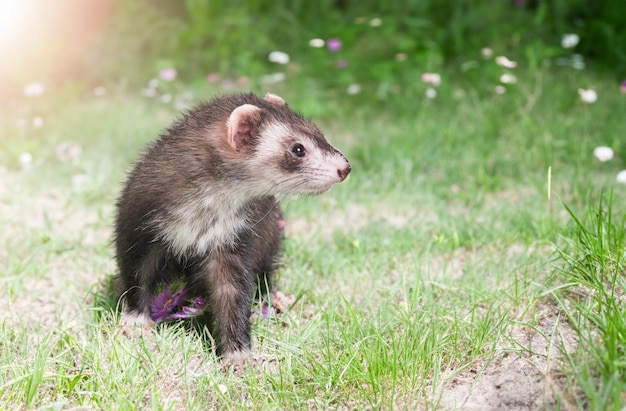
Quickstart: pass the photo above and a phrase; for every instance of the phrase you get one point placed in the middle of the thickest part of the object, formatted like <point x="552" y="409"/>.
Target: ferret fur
<point x="201" y="205"/>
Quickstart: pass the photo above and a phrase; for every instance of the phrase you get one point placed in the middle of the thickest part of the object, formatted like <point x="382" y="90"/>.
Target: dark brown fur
<point x="200" y="206"/>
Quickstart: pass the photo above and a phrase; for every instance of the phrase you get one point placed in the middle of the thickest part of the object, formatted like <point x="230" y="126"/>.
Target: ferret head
<point x="286" y="154"/>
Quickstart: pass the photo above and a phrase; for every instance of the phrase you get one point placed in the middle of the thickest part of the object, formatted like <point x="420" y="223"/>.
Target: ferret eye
<point x="297" y="150"/>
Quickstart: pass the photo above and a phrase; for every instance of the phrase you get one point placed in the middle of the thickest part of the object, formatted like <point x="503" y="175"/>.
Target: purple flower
<point x="333" y="45"/>
<point x="212" y="78"/>
<point x="197" y="307"/>
<point x="622" y="87"/>
<point x="265" y="311"/>
<point x="168" y="74"/>
<point x="166" y="304"/>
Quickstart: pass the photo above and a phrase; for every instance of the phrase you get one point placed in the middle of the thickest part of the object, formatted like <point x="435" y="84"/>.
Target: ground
<point x="523" y="372"/>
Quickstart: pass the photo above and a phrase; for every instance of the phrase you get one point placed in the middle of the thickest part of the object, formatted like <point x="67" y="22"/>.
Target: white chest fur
<point x="202" y="224"/>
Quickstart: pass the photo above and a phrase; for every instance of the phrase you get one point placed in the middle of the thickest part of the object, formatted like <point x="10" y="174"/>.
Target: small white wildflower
<point x="165" y="98"/>
<point x="431" y="78"/>
<point x="149" y="92"/>
<point x="569" y="41"/>
<point x="222" y="388"/>
<point x="34" y="89"/>
<point x="37" y="122"/>
<point x="80" y="180"/>
<point x="317" y="43"/>
<point x="621" y="177"/>
<point x="376" y="22"/>
<point x="431" y="93"/>
<point x="99" y="91"/>
<point x="500" y="89"/>
<point x="508" y="79"/>
<point x="603" y="153"/>
<point x="353" y="89"/>
<point x="588" y="96"/>
<point x="273" y="78"/>
<point x="486" y="52"/>
<point x="25" y="159"/>
<point x="279" y="57"/>
<point x="505" y="62"/>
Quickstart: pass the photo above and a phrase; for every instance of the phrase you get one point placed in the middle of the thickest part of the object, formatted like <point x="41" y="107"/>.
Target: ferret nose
<point x="343" y="172"/>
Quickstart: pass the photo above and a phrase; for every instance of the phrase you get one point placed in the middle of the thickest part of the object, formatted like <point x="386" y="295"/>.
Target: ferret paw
<point x="282" y="302"/>
<point x="238" y="362"/>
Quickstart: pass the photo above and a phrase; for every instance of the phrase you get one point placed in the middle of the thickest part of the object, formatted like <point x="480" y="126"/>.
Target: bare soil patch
<point x="525" y="376"/>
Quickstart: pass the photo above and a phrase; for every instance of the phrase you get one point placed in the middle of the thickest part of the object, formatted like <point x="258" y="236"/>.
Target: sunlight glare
<point x="13" y="15"/>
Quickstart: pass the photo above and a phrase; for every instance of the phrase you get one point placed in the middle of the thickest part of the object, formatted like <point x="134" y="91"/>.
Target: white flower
<point x="486" y="52"/>
<point x="99" y="91"/>
<point x="317" y="43"/>
<point x="222" y="388"/>
<point x="508" y="79"/>
<point x="500" y="89"/>
<point x="376" y="22"/>
<point x="80" y="180"/>
<point x="621" y="177"/>
<point x="431" y="78"/>
<point x="279" y="57"/>
<point x="37" y="122"/>
<point x="431" y="93"/>
<point x="34" y="89"/>
<point x="273" y="78"/>
<point x="353" y="89"/>
<point x="505" y="62"/>
<point x="603" y="153"/>
<point x="569" y="41"/>
<point x="148" y="92"/>
<point x="26" y="159"/>
<point x="401" y="56"/>
<point x="588" y="96"/>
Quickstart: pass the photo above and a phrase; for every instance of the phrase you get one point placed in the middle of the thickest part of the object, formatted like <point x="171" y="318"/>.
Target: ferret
<point x="201" y="206"/>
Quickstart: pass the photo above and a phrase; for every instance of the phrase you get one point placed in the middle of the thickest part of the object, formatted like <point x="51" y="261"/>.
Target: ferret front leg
<point x="231" y="289"/>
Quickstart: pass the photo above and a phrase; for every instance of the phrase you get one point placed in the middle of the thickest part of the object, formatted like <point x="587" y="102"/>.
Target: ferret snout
<point x="343" y="172"/>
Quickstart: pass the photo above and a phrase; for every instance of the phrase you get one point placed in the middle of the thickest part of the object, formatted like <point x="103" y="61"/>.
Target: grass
<point x="429" y="268"/>
<point x="594" y="302"/>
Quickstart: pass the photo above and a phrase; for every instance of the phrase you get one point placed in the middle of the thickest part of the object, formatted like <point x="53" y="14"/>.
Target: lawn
<point x="473" y="260"/>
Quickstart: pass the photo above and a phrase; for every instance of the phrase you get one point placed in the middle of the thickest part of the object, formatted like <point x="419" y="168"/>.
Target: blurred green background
<point x="379" y="48"/>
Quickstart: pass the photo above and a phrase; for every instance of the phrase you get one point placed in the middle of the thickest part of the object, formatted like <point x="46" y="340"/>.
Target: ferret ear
<point x="274" y="99"/>
<point x="240" y="124"/>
